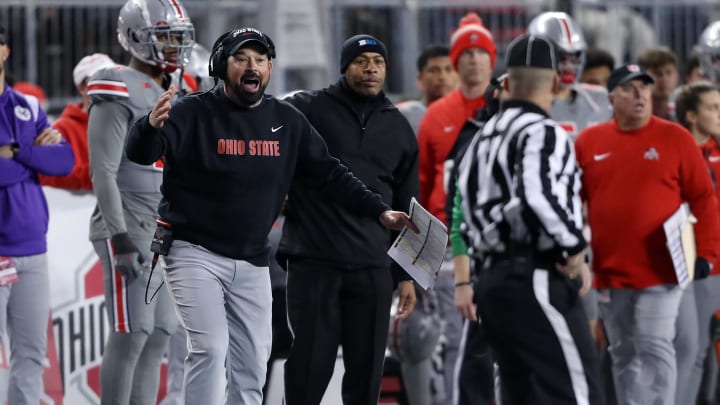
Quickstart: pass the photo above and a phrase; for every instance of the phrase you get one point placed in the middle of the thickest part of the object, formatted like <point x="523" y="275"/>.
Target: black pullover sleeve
<point x="145" y="144"/>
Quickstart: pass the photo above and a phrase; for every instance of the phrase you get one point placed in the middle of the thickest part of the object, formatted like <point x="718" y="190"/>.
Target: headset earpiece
<point x="218" y="63"/>
<point x="271" y="48"/>
<point x="218" y="60"/>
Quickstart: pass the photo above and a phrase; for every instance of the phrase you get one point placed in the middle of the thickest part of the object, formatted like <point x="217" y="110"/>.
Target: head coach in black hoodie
<point x="340" y="284"/>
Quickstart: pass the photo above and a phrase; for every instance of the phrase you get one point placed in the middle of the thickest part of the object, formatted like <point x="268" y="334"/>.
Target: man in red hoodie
<point x="473" y="54"/>
<point x="73" y="123"/>
<point x="637" y="171"/>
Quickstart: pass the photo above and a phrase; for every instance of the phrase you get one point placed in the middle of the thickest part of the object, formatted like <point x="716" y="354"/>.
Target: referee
<point x="519" y="183"/>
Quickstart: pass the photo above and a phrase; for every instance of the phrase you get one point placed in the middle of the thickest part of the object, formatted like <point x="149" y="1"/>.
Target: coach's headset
<point x="235" y="39"/>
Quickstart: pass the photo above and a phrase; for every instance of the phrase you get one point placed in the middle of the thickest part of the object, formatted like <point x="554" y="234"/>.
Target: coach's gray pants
<point x="24" y="311"/>
<point x="640" y="326"/>
<point x="225" y="306"/>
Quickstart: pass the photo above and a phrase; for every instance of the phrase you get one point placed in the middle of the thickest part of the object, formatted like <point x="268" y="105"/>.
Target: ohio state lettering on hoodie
<point x="229" y="168"/>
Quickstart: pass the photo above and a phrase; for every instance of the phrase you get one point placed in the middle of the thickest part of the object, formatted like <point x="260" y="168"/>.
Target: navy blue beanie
<point x="358" y="44"/>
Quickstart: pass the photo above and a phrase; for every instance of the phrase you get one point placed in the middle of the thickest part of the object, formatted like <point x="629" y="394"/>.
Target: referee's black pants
<point x="538" y="331"/>
<point x="475" y="378"/>
<point x="327" y="307"/>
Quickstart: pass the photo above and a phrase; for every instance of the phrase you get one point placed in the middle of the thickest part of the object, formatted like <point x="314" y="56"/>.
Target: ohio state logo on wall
<point x="80" y="332"/>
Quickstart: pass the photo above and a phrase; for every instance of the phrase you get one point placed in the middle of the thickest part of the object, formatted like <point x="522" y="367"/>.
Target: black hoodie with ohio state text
<point x="228" y="170"/>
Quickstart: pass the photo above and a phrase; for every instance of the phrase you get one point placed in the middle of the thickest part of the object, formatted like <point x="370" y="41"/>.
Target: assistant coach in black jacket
<point x="339" y="288"/>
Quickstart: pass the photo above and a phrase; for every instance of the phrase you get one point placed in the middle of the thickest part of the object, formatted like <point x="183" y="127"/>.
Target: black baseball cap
<point x="238" y="38"/>
<point x="533" y="51"/>
<point x="627" y="73"/>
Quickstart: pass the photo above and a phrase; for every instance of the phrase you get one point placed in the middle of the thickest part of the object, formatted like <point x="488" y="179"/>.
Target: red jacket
<point x="438" y="132"/>
<point x="72" y="124"/>
<point x="711" y="153"/>
<point x="632" y="182"/>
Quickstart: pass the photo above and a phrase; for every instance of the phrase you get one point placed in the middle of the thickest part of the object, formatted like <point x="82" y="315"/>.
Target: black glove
<point x="128" y="260"/>
<point x="702" y="268"/>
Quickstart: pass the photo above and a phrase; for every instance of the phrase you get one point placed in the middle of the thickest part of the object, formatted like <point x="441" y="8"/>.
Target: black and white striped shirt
<point x="520" y="183"/>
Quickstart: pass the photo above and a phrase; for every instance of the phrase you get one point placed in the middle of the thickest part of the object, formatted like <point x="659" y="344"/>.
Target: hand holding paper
<point x="396" y="220"/>
<point x="421" y="253"/>
<point x="680" y="237"/>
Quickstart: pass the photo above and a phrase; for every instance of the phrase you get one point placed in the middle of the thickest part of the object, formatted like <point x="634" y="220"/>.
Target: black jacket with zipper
<point x="375" y="141"/>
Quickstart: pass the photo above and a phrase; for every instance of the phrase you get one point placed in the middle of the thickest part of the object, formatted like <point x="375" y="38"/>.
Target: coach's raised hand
<point x="161" y="110"/>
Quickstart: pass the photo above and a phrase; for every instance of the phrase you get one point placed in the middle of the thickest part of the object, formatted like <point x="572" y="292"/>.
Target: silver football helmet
<point x="157" y="32"/>
<point x="416" y="337"/>
<point x="570" y="41"/>
<point x="709" y="52"/>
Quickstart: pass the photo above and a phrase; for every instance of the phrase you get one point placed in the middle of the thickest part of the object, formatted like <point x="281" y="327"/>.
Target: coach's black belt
<point x="534" y="259"/>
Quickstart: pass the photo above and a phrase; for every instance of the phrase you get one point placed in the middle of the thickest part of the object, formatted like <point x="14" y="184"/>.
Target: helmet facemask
<point x="570" y="67"/>
<point x="710" y="65"/>
<point x="157" y="32"/>
<point x="169" y="48"/>
<point x="571" y="45"/>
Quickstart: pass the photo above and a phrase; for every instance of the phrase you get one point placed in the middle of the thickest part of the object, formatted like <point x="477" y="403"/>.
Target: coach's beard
<point x="250" y="89"/>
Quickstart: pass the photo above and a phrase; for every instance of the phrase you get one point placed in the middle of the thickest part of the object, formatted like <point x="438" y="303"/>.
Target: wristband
<point x="463" y="283"/>
<point x="15" y="149"/>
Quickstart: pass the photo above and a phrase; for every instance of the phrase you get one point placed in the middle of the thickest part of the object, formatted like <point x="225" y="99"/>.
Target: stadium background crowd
<point x="48" y="37"/>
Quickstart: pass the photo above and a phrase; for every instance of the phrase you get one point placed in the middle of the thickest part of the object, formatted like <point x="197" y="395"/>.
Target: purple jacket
<point x="23" y="209"/>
